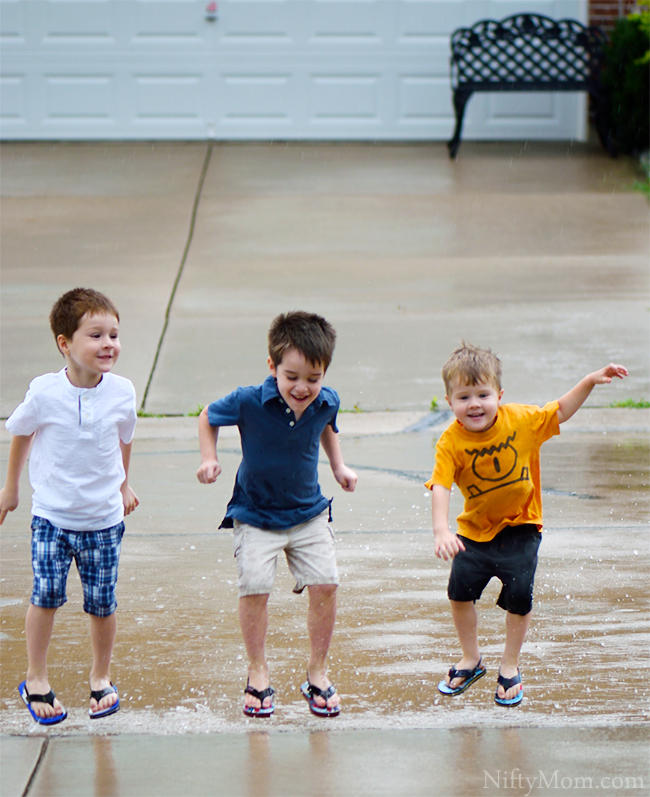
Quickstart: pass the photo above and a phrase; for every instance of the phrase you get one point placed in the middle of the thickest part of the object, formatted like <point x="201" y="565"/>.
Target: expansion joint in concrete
<point x="179" y="273"/>
<point x="37" y="766"/>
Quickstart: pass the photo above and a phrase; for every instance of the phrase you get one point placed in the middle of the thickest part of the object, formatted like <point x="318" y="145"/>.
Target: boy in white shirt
<point x="79" y="425"/>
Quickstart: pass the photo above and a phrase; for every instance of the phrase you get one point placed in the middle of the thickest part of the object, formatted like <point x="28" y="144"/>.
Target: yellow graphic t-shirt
<point x="498" y="470"/>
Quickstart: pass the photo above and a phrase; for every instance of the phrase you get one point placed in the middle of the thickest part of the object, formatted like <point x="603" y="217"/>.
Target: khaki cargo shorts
<point x="308" y="547"/>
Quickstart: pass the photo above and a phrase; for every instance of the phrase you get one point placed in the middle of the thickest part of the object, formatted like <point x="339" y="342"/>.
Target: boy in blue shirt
<point x="277" y="504"/>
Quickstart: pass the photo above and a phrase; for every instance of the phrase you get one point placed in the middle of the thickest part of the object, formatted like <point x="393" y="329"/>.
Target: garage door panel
<point x="13" y="27"/>
<point x="256" y="98"/>
<point x="424" y="99"/>
<point x="339" y="99"/>
<point x="171" y="24"/>
<point x="13" y="91"/>
<point x="78" y="24"/>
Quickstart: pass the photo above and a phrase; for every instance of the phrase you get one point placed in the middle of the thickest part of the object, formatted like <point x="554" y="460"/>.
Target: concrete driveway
<point x="537" y="250"/>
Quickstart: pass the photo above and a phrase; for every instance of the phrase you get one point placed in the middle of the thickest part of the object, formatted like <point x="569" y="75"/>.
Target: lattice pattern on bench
<point x="525" y="52"/>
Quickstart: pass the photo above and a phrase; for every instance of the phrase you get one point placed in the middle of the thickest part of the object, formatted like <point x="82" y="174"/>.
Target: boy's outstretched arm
<point x="18" y="452"/>
<point x="209" y="468"/>
<point x="346" y="477"/>
<point x="571" y="402"/>
<point x="447" y="545"/>
<point x="129" y="498"/>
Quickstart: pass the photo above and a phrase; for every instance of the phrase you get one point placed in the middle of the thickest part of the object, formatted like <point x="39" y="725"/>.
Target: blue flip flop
<point x="506" y="683"/>
<point x="48" y="698"/>
<point x="310" y="692"/>
<point x="262" y="711"/>
<point x="98" y="694"/>
<point x="469" y="675"/>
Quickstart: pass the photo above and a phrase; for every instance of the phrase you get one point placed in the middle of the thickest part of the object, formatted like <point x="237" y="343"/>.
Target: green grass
<point x="195" y="413"/>
<point x="632" y="404"/>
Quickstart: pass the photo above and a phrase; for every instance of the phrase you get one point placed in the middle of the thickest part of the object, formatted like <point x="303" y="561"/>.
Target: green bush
<point x="626" y="81"/>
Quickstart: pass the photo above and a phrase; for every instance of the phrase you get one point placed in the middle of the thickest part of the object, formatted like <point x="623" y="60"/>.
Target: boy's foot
<point x="103" y="702"/>
<point x="458" y="679"/>
<point x="322" y="697"/>
<point x="44" y="708"/>
<point x="258" y="703"/>
<point x="510" y="691"/>
<point x="258" y="683"/>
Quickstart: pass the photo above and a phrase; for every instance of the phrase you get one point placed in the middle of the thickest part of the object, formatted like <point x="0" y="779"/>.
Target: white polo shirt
<point x="75" y="465"/>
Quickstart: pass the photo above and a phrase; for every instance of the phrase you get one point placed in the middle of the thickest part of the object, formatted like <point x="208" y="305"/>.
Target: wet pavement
<point x="406" y="253"/>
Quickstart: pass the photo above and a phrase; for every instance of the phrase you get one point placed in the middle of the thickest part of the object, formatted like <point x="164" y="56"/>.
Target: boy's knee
<point x="322" y="592"/>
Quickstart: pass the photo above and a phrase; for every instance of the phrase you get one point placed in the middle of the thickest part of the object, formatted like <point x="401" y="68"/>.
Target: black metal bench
<point x="525" y="52"/>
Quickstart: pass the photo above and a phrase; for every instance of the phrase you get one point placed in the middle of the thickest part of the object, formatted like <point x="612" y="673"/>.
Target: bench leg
<point x="460" y="101"/>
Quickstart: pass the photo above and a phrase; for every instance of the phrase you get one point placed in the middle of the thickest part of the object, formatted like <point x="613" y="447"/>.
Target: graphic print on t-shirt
<point x="496" y="465"/>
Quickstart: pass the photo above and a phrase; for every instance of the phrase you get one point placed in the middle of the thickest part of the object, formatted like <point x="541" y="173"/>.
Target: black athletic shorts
<point x="511" y="556"/>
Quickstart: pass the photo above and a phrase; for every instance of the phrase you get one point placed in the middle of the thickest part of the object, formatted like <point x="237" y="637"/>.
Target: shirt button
<point x="288" y="409"/>
<point x="291" y="423"/>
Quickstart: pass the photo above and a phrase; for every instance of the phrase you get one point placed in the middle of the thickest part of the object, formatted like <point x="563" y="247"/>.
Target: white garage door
<point x="257" y="69"/>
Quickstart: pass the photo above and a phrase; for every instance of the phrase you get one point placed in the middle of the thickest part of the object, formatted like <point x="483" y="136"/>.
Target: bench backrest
<point x="526" y="50"/>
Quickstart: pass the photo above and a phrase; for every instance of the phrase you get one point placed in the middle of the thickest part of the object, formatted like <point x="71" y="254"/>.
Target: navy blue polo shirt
<point x="277" y="482"/>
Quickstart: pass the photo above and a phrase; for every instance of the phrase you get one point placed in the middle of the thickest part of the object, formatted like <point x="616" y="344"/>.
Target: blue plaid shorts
<point x="96" y="553"/>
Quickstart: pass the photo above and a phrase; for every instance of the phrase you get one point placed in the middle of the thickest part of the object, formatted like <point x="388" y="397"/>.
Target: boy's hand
<point x="8" y="502"/>
<point x="606" y="374"/>
<point x="571" y="402"/>
<point x="208" y="471"/>
<point x="447" y="545"/>
<point x="346" y="478"/>
<point x="129" y="499"/>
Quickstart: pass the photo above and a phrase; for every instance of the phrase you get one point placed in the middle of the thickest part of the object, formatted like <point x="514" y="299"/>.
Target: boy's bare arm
<point x="18" y="452"/>
<point x="571" y="402"/>
<point x="447" y="545"/>
<point x="346" y="477"/>
<point x="210" y="467"/>
<point x="129" y="498"/>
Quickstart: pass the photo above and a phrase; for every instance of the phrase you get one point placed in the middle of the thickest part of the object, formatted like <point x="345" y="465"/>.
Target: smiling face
<point x="93" y="349"/>
<point x="475" y="406"/>
<point x="299" y="381"/>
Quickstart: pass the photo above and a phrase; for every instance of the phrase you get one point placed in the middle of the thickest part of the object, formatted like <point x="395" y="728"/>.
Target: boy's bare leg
<point x="321" y="617"/>
<point x="516" y="628"/>
<point x="102" y="638"/>
<point x="253" y="620"/>
<point x="39" y="623"/>
<point x="465" y="620"/>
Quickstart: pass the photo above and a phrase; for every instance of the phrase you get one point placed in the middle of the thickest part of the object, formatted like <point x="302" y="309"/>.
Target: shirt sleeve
<point x="444" y="468"/>
<point x="225" y="411"/>
<point x="127" y="427"/>
<point x="24" y="419"/>
<point x="545" y="421"/>
<point x="335" y="403"/>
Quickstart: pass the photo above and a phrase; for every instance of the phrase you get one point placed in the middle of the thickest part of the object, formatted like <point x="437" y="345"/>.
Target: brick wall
<point x="606" y="12"/>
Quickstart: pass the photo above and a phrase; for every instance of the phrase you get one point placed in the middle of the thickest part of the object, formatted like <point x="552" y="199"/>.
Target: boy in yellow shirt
<point x="492" y="453"/>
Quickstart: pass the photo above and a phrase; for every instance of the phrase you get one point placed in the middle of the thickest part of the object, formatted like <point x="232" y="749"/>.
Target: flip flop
<point x="48" y="698"/>
<point x="252" y="711"/>
<point x="506" y="683"/>
<point x="98" y="694"/>
<point x="309" y="692"/>
<point x="469" y="675"/>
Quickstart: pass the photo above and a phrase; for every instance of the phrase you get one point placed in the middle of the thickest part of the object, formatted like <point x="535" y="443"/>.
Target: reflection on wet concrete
<point x="179" y="659"/>
<point x="417" y="763"/>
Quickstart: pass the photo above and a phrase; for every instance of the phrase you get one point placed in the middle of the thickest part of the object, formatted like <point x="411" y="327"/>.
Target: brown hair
<point x="70" y="308"/>
<point x="470" y="365"/>
<point x="308" y="333"/>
